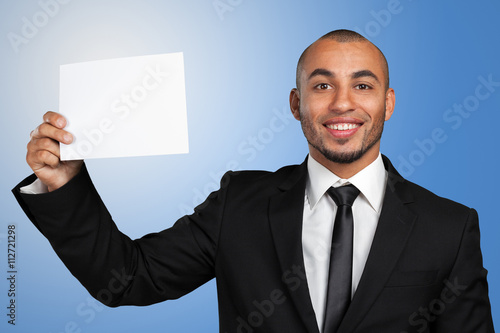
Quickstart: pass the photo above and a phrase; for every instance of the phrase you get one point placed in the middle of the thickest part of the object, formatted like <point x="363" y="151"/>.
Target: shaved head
<point x="343" y="36"/>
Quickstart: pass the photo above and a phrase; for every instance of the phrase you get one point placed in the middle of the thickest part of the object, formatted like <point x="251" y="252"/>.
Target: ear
<point x="390" y="102"/>
<point x="295" y="103"/>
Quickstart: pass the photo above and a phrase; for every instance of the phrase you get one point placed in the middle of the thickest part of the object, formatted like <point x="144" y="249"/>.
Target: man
<point x="415" y="264"/>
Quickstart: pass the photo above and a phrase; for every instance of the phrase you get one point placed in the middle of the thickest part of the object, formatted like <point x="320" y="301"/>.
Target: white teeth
<point x="343" y="127"/>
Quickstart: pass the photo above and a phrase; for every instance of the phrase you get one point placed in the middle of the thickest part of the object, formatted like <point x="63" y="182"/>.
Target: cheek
<point x="314" y="107"/>
<point x="375" y="109"/>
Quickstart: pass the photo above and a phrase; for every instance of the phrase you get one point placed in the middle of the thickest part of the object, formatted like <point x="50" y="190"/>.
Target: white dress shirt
<point x="37" y="187"/>
<point x="318" y="221"/>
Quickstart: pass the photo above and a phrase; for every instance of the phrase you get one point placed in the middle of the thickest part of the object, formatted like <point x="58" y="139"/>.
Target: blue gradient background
<point x="239" y="71"/>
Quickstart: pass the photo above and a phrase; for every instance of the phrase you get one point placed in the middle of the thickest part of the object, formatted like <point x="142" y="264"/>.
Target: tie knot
<point x="343" y="195"/>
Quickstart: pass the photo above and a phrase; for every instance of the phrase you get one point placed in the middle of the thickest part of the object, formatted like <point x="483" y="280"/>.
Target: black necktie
<point x="340" y="272"/>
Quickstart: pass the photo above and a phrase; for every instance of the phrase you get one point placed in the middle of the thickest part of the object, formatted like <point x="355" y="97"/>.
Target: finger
<point x="38" y="159"/>
<point x="48" y="158"/>
<point x="47" y="130"/>
<point x="44" y="144"/>
<point x="55" y="119"/>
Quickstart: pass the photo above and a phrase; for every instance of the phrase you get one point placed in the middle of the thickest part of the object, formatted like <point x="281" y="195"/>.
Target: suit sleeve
<point x="464" y="305"/>
<point x="113" y="268"/>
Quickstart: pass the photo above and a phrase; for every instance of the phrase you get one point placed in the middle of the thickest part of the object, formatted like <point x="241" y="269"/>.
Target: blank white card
<point x="122" y="107"/>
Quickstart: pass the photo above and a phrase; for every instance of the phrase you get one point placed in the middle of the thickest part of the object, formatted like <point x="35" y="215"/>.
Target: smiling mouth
<point x="343" y="126"/>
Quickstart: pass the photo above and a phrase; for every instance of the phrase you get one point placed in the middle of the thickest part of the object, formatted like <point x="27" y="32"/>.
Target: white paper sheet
<point x="132" y="106"/>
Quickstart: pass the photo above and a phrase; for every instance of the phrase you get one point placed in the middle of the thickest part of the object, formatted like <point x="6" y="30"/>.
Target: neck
<point x="347" y="170"/>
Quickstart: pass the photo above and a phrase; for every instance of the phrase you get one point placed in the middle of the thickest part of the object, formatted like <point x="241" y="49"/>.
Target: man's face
<point x="342" y="101"/>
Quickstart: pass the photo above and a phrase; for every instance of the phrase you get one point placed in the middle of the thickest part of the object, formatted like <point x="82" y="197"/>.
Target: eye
<point x="323" y="86"/>
<point x="363" y="86"/>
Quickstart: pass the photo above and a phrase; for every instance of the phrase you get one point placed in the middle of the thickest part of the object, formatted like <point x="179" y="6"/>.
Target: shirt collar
<point x="370" y="181"/>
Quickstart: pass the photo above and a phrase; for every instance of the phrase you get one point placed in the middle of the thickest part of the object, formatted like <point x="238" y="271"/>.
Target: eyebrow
<point x="355" y="75"/>
<point x="321" y="72"/>
<point x="364" y="73"/>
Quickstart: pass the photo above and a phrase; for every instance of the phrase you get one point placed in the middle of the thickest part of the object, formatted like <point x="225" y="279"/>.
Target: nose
<point x="342" y="101"/>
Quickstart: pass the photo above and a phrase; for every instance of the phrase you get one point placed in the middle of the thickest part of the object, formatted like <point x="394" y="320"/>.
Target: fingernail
<point x="68" y="138"/>
<point x="60" y="122"/>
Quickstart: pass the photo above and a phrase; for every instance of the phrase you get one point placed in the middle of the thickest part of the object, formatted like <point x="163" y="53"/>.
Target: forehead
<point x="342" y="59"/>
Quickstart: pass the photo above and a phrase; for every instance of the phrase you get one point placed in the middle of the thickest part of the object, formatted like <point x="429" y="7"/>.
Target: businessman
<point x="340" y="243"/>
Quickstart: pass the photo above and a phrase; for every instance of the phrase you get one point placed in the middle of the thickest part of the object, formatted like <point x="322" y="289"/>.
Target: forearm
<point x="113" y="268"/>
<point x="80" y="230"/>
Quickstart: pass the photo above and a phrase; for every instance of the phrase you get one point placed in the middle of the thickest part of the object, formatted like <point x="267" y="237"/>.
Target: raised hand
<point x="43" y="154"/>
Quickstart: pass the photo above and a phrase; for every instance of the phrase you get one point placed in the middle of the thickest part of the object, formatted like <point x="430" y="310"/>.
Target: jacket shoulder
<point x="261" y="177"/>
<point x="432" y="203"/>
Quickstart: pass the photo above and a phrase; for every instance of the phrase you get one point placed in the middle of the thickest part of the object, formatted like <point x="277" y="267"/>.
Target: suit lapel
<point x="394" y="226"/>
<point x="393" y="229"/>
<point x="285" y="216"/>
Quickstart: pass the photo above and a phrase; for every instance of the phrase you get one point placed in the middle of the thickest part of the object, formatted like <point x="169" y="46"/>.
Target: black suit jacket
<point x="424" y="272"/>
